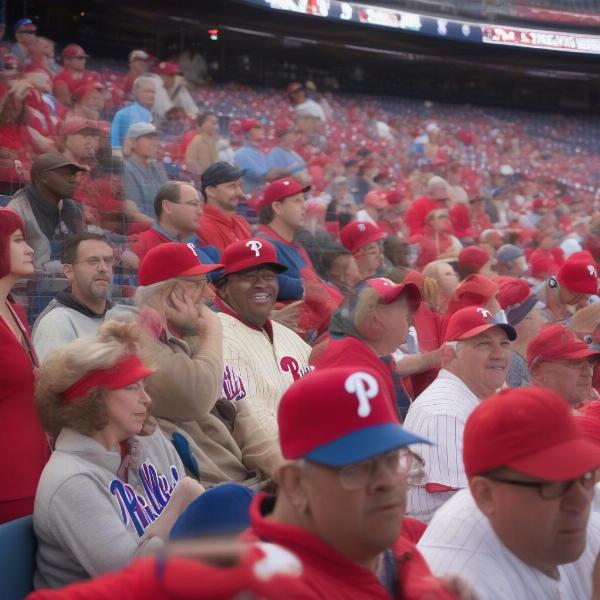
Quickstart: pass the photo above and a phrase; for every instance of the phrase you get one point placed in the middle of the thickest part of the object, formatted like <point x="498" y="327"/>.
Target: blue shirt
<point x="124" y="119"/>
<point x="286" y="159"/>
<point x="141" y="183"/>
<point x="254" y="164"/>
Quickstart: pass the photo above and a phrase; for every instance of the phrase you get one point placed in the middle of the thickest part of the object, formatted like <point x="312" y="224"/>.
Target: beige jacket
<point x="201" y="153"/>
<point x="224" y="438"/>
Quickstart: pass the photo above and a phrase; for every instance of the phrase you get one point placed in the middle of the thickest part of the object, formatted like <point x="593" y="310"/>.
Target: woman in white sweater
<point x="114" y="485"/>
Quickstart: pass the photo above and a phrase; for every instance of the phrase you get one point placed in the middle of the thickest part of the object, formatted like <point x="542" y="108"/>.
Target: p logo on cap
<point x="191" y="247"/>
<point x="485" y="313"/>
<point x="364" y="387"/>
<point x="255" y="246"/>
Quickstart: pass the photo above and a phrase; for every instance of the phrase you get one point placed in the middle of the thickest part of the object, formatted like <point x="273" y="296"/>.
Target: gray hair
<point x="140" y="81"/>
<point x="146" y="295"/>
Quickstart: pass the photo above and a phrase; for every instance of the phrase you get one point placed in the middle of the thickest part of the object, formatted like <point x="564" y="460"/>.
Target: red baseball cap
<point x="356" y="418"/>
<point x="76" y="124"/>
<point x="473" y="257"/>
<point x="516" y="298"/>
<point x="246" y="255"/>
<point x="358" y="234"/>
<point x="473" y="320"/>
<point x="531" y="430"/>
<point x="280" y="189"/>
<point x="556" y="342"/>
<point x="87" y="86"/>
<point x="294" y="87"/>
<point x="389" y="291"/>
<point x="73" y="51"/>
<point x="172" y="259"/>
<point x="283" y="126"/>
<point x="248" y="124"/>
<point x="376" y="199"/>
<point x="168" y="68"/>
<point x="474" y="290"/>
<point x="579" y="275"/>
<point x="541" y="265"/>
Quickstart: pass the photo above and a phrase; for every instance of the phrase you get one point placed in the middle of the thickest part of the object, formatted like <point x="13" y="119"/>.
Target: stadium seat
<point x="17" y="558"/>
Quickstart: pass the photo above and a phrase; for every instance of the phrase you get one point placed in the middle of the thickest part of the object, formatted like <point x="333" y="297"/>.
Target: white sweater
<point x="258" y="370"/>
<point x="85" y="519"/>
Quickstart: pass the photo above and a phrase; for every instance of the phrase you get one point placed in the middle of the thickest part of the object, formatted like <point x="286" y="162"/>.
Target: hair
<point x="203" y="116"/>
<point x="585" y="320"/>
<point x="170" y="191"/>
<point x="266" y="215"/>
<point x="147" y="295"/>
<point x="431" y="288"/>
<point x="435" y="181"/>
<point x="140" y="81"/>
<point x="71" y="245"/>
<point x="330" y="254"/>
<point x="63" y="367"/>
<point x="10" y="221"/>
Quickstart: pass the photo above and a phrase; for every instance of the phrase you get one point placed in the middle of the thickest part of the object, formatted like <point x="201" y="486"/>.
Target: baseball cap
<point x="579" y="275"/>
<point x="376" y="199"/>
<point x="283" y="126"/>
<point x="25" y="24"/>
<point x="556" y="342"/>
<point x="221" y="510"/>
<point x="474" y="290"/>
<point x="473" y="320"/>
<point x="280" y="189"/>
<point x="168" y="68"/>
<point x="248" y="124"/>
<point x="358" y="234"/>
<point x="76" y="124"/>
<point x="138" y="130"/>
<point x="531" y="430"/>
<point x="138" y="55"/>
<point x="541" y="265"/>
<point x="246" y="255"/>
<point x="508" y="253"/>
<point x="389" y="291"/>
<point x="539" y="204"/>
<point x="172" y="259"/>
<point x="516" y="298"/>
<point x="217" y="173"/>
<point x="51" y="161"/>
<point x="473" y="257"/>
<point x="87" y="86"/>
<point x="73" y="51"/>
<point x="357" y="418"/>
<point x="295" y="86"/>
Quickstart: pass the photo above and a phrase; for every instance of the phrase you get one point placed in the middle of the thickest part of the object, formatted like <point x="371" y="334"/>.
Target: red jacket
<point x="145" y="241"/>
<point x="24" y="447"/>
<point x="220" y="229"/>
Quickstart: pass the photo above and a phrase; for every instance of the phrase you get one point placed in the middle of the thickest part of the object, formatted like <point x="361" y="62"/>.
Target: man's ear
<point x="292" y="482"/>
<point x="68" y="271"/>
<point x="447" y="353"/>
<point x="482" y="490"/>
<point x="372" y="327"/>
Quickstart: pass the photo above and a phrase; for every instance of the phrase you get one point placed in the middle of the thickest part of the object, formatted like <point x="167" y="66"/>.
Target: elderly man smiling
<point x="475" y="361"/>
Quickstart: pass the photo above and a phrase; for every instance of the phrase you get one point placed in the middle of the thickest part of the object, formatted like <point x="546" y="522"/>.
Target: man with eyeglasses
<point x="558" y="360"/>
<point x="88" y="262"/>
<point x="261" y="357"/>
<point x="74" y="59"/>
<point x="364" y="242"/>
<point x="25" y="36"/>
<point x="522" y="529"/>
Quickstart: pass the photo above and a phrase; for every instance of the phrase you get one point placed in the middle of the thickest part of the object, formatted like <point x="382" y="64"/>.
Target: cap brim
<point x="67" y="163"/>
<point x="508" y="329"/>
<point x="517" y="314"/>
<point x="410" y="291"/>
<point x="376" y="237"/>
<point x="363" y="444"/>
<point x="561" y="463"/>
<point x="278" y="267"/>
<point x="201" y="269"/>
<point x="131" y="376"/>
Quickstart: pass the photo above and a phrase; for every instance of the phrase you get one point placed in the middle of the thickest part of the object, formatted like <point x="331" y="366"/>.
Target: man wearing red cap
<point x="173" y="92"/>
<point x="88" y="99"/>
<point x="559" y="361"/>
<point x="73" y="72"/>
<point x="522" y="529"/>
<point x="364" y="242"/>
<point x="475" y="259"/>
<point x="575" y="281"/>
<point x="202" y="150"/>
<point x="283" y="155"/>
<point x="437" y="197"/>
<point x="261" y="357"/>
<point x="475" y="359"/>
<point x="253" y="162"/>
<point x="376" y="204"/>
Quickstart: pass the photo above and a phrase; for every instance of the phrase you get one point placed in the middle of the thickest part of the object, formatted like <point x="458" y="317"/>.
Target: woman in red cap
<point x="114" y="485"/>
<point x="24" y="448"/>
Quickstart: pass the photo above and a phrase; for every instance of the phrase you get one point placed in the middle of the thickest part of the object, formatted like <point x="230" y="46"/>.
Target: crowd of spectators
<point x="185" y="256"/>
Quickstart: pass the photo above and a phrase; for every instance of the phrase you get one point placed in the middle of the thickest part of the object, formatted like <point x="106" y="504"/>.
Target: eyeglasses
<point x="94" y="261"/>
<point x="78" y="57"/>
<point x="397" y="462"/>
<point x="194" y="203"/>
<point x="552" y="490"/>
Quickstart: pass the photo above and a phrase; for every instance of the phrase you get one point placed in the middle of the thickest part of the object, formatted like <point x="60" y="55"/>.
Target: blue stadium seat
<point x="17" y="558"/>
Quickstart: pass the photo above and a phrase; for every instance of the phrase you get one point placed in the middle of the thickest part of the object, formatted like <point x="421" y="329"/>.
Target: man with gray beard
<point x="88" y="261"/>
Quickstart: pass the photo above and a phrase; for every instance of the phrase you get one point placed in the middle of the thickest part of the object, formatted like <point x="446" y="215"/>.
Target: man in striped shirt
<point x="475" y="359"/>
<point x="523" y="528"/>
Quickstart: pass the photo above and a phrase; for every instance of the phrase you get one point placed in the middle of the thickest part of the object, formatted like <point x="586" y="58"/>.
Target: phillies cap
<point x="283" y="126"/>
<point x="356" y="418"/>
<point x="541" y="265"/>
<point x="516" y="298"/>
<point x="168" y="68"/>
<point x="389" y="291"/>
<point x="74" y="51"/>
<point x="358" y="234"/>
<point x="473" y="257"/>
<point x="508" y="253"/>
<point x="87" y="86"/>
<point x="248" y="124"/>
<point x="556" y="342"/>
<point x="473" y="290"/>
<point x="530" y="430"/>
<point x="473" y="320"/>
<point x="76" y="124"/>
<point x="376" y="199"/>
<point x="138" y="130"/>
<point x="579" y="275"/>
<point x="247" y="255"/>
<point x="138" y="55"/>
<point x="172" y="259"/>
<point x="278" y="190"/>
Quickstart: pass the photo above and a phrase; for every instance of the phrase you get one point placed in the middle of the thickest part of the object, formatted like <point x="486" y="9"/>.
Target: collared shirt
<point x="460" y="540"/>
<point x="254" y="164"/>
<point x="286" y="159"/>
<point x="439" y="415"/>
<point x="219" y="229"/>
<point x="124" y="119"/>
<point x="141" y="182"/>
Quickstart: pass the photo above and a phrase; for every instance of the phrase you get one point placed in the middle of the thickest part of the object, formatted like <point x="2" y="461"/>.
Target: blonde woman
<point x="439" y="282"/>
<point x="114" y="485"/>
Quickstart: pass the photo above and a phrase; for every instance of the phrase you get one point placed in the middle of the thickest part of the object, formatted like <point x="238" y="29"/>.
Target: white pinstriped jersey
<point x="439" y="415"/>
<point x="260" y="371"/>
<point x="460" y="540"/>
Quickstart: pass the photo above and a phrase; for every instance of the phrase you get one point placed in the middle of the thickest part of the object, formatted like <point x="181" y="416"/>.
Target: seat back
<point x="17" y="558"/>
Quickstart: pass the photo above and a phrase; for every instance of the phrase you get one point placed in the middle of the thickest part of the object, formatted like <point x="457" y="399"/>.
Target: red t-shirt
<point x="220" y="229"/>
